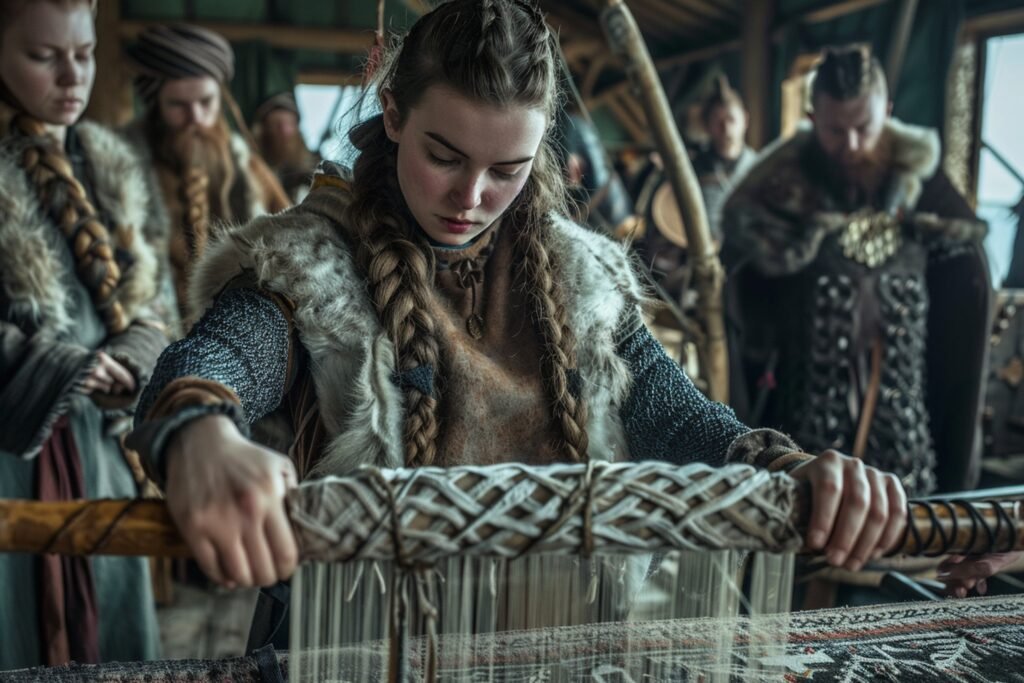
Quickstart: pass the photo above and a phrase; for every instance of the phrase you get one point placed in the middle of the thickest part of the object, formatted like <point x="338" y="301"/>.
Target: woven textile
<point x="958" y="641"/>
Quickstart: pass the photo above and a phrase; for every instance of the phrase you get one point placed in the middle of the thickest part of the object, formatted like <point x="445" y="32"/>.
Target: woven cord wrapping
<point x="417" y="516"/>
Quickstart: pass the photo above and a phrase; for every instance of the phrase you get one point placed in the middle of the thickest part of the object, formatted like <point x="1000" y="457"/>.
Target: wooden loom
<point x="390" y="535"/>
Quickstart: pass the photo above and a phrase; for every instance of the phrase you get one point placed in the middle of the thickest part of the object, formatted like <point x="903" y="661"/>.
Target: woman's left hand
<point x="858" y="513"/>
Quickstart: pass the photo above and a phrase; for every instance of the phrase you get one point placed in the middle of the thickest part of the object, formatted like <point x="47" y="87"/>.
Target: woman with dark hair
<point x="439" y="309"/>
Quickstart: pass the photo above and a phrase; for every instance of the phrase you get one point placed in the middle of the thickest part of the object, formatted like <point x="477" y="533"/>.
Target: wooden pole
<point x="143" y="527"/>
<point x="898" y="44"/>
<point x="758" y="17"/>
<point x="625" y="40"/>
<point x="111" y="102"/>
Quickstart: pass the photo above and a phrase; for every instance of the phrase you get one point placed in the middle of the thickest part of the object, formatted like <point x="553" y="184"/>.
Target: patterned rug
<point x="978" y="640"/>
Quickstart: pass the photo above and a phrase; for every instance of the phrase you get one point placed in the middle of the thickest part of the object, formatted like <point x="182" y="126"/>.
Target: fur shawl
<point x="301" y="254"/>
<point x="29" y="261"/>
<point x="781" y="211"/>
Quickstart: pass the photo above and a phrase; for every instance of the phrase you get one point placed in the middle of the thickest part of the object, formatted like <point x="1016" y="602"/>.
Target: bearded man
<point x="860" y="287"/>
<point x="276" y="127"/>
<point x="203" y="174"/>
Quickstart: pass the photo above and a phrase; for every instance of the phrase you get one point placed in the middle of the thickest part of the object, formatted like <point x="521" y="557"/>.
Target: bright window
<point x="328" y="112"/>
<point x="1001" y="181"/>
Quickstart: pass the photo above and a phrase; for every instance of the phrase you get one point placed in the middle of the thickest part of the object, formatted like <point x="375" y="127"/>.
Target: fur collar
<point x="29" y="261"/>
<point x="300" y="254"/>
<point x="911" y="152"/>
<point x="781" y="211"/>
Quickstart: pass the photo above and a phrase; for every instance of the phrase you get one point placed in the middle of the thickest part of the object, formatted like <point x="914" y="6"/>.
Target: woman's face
<point x="46" y="60"/>
<point x="462" y="163"/>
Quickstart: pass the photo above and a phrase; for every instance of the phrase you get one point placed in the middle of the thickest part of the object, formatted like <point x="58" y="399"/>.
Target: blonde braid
<point x="51" y="174"/>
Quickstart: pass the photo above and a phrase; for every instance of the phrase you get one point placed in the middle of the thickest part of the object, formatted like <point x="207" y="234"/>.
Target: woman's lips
<point x="456" y="226"/>
<point x="69" y="103"/>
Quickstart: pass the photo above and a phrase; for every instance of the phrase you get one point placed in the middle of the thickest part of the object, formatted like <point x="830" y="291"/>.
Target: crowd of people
<point x="435" y="304"/>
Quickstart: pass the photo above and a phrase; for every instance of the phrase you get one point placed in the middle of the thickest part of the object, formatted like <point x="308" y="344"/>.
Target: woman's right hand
<point x="108" y="377"/>
<point x="226" y="494"/>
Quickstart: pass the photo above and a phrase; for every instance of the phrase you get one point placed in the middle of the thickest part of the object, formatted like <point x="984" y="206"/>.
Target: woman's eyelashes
<point x="451" y="163"/>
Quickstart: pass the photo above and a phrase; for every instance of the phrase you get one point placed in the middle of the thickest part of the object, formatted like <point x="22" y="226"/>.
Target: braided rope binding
<point x="417" y="516"/>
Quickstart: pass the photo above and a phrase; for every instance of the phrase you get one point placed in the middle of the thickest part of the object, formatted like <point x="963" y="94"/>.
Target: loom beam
<point x="509" y="510"/>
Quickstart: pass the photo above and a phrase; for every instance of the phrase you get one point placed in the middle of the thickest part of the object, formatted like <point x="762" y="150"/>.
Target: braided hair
<point x="66" y="201"/>
<point x="502" y="53"/>
<point x="721" y="95"/>
<point x="847" y="72"/>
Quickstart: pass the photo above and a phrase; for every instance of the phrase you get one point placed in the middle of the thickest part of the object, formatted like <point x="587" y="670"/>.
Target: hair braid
<point x="50" y="172"/>
<point x="500" y="52"/>
<point x="848" y="71"/>
<point x="400" y="277"/>
<point x="194" y="194"/>
<point x="559" y="342"/>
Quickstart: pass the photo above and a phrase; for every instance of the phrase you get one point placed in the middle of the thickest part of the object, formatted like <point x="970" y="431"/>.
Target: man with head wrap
<point x="204" y="173"/>
<point x="276" y="128"/>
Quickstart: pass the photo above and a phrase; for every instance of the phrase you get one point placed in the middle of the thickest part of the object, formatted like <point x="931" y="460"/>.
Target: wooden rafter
<point x="716" y="9"/>
<point x="835" y="10"/>
<point x="328" y="77"/>
<point x="342" y="41"/>
<point x="668" y="63"/>
<point x="995" y="23"/>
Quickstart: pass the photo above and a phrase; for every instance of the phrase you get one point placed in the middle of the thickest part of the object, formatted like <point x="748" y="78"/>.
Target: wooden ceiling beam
<point x="336" y="40"/>
<point x="995" y="23"/>
<point x="328" y="77"/>
<point x="668" y="63"/>
<point x="706" y="9"/>
<point x="834" y="10"/>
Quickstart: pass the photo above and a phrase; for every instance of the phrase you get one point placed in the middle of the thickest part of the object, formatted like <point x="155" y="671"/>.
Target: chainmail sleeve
<point x="241" y="342"/>
<point x="667" y="418"/>
<point x="235" y="358"/>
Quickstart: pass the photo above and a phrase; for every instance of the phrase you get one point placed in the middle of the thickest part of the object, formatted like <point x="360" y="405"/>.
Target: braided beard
<point x="195" y="152"/>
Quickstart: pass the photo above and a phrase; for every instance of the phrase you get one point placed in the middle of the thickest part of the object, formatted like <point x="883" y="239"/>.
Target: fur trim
<point x="30" y="265"/>
<point x="913" y="152"/>
<point x="599" y="285"/>
<point x="121" y="190"/>
<point x="29" y="262"/>
<point x="255" y="201"/>
<point x="157" y="229"/>
<point x="780" y="212"/>
<point x="300" y="254"/>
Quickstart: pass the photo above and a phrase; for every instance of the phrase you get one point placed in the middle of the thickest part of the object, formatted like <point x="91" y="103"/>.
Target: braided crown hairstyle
<point x="499" y="53"/>
<point x="847" y="72"/>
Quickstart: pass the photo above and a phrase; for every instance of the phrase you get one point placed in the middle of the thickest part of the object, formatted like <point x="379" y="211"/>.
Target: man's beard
<point x="206" y="151"/>
<point x="862" y="177"/>
<point x="287" y="153"/>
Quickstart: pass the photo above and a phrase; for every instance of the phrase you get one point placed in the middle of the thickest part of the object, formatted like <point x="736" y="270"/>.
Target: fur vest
<point x="30" y="265"/>
<point x="301" y="255"/>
